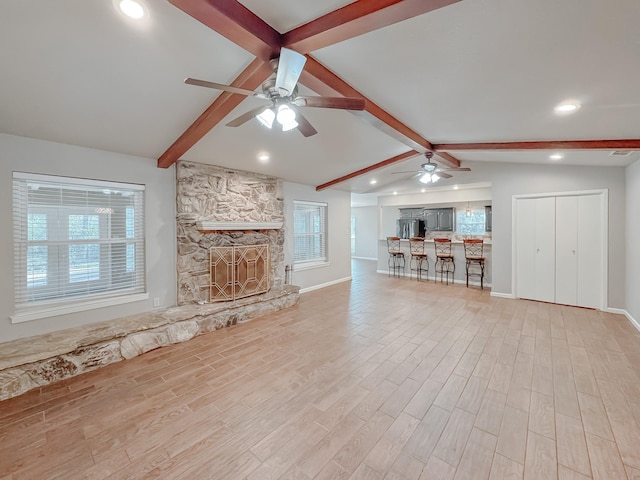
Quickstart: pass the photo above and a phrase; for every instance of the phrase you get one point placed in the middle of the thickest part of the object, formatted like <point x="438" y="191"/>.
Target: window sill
<point x="309" y="266"/>
<point x="54" y="310"/>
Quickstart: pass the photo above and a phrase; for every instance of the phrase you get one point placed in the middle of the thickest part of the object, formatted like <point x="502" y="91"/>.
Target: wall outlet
<point x="156" y="302"/>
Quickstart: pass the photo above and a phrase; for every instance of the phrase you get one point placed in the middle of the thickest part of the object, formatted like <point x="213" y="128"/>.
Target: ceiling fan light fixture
<point x="285" y="115"/>
<point x="429" y="167"/>
<point x="435" y="177"/>
<point x="426" y="178"/>
<point x="267" y="117"/>
<point x="289" y="126"/>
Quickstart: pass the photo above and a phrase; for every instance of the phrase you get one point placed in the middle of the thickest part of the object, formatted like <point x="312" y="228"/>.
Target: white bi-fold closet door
<point x="559" y="248"/>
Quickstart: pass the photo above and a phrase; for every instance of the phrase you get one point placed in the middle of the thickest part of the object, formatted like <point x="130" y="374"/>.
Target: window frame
<point x="322" y="259"/>
<point x="66" y="295"/>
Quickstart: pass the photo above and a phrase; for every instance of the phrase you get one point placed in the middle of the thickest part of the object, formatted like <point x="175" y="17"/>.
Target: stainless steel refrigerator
<point x="410" y="227"/>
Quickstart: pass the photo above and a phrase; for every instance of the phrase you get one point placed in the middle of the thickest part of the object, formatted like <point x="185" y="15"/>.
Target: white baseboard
<point x="365" y="258"/>
<point x="503" y="295"/>
<point x="622" y="311"/>
<point x="327" y="284"/>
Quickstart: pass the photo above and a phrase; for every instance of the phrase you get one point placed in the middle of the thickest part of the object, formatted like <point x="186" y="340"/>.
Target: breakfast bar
<point x="457" y="247"/>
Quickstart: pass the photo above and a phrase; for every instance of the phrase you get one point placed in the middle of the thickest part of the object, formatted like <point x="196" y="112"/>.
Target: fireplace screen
<point x="238" y="271"/>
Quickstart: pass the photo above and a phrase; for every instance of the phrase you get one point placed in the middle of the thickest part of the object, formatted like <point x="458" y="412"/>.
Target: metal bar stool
<point x="419" y="259"/>
<point x="445" y="264"/>
<point x="396" y="256"/>
<point x="473" y="252"/>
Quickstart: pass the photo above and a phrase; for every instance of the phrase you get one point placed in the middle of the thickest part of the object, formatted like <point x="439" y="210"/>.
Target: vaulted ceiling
<point x="474" y="81"/>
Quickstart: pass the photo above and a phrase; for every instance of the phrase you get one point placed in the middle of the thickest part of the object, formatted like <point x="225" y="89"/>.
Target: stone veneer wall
<point x="206" y="192"/>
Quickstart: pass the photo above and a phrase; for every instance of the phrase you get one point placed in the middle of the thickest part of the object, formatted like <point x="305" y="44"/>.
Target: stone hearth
<point x="37" y="361"/>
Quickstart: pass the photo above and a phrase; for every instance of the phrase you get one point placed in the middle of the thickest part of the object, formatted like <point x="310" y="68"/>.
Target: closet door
<point x="545" y="272"/>
<point x="535" y="255"/>
<point x="525" y="248"/>
<point x="567" y="250"/>
<point x="589" y="262"/>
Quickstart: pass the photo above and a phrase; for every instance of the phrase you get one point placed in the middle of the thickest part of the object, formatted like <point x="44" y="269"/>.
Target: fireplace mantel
<point x="206" y="225"/>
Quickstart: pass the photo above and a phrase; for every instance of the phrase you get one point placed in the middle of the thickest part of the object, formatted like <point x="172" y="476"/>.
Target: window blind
<point x="309" y="232"/>
<point x="76" y="239"/>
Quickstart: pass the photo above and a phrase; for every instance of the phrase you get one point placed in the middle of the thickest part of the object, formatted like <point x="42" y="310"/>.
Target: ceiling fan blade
<point x="343" y="103"/>
<point x="304" y="127"/>
<point x="245" y="117"/>
<point x="459" y="169"/>
<point x="290" y="65"/>
<point x="444" y="175"/>
<point x="221" y="86"/>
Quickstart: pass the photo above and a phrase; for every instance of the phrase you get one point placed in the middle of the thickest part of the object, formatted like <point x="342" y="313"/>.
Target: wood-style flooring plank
<point x="352" y="383"/>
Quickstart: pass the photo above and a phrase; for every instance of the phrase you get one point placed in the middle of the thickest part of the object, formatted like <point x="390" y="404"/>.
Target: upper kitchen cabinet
<point x="439" y="219"/>
<point x="487" y="218"/>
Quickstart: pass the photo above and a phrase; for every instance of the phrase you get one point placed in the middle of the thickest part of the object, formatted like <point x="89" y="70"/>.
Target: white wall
<point x="366" y="232"/>
<point x="633" y="234"/>
<point x="512" y="179"/>
<point x="338" y="229"/>
<point x="38" y="156"/>
<point x="509" y="180"/>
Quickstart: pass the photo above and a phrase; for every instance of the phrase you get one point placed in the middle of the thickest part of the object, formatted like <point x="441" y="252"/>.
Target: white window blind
<point x="76" y="239"/>
<point x="309" y="232"/>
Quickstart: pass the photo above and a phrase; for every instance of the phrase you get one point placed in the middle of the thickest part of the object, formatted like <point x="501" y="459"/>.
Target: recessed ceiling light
<point x="395" y="193"/>
<point x="569" y="106"/>
<point x="556" y="156"/>
<point x="455" y="187"/>
<point x="263" y="157"/>
<point x="131" y="8"/>
<point x="373" y="182"/>
<point x="423" y="190"/>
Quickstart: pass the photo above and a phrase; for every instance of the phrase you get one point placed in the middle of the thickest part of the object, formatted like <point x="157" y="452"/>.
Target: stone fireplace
<point x="224" y="208"/>
<point x="216" y="207"/>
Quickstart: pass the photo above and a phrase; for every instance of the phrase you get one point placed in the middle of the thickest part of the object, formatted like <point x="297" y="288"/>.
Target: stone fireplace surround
<point x="205" y="194"/>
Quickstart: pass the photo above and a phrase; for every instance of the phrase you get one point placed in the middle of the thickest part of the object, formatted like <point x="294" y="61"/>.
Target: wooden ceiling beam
<point x="628" y="144"/>
<point x="356" y="19"/>
<point x="236" y="23"/>
<point x="385" y="163"/>
<point x="250" y="78"/>
<point x="323" y="81"/>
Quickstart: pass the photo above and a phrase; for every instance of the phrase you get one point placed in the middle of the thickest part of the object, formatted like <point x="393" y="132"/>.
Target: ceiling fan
<point x="282" y="90"/>
<point x="430" y="172"/>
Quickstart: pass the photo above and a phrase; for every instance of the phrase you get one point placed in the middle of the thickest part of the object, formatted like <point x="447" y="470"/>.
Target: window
<point x="309" y="232"/>
<point x="76" y="240"/>
<point x="470" y="224"/>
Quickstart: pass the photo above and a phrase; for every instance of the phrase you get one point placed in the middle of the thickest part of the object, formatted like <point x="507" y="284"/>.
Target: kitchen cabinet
<point x="411" y="213"/>
<point x="439" y="219"/>
<point x="445" y="220"/>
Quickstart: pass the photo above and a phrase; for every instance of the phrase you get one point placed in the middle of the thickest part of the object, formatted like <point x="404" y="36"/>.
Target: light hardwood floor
<point x="380" y="378"/>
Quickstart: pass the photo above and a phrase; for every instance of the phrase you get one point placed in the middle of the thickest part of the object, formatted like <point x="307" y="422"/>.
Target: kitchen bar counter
<point x="458" y="255"/>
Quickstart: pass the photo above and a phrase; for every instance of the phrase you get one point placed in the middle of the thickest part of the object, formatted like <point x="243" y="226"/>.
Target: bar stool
<point x="445" y="264"/>
<point x="396" y="256"/>
<point x="473" y="253"/>
<point x="419" y="257"/>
